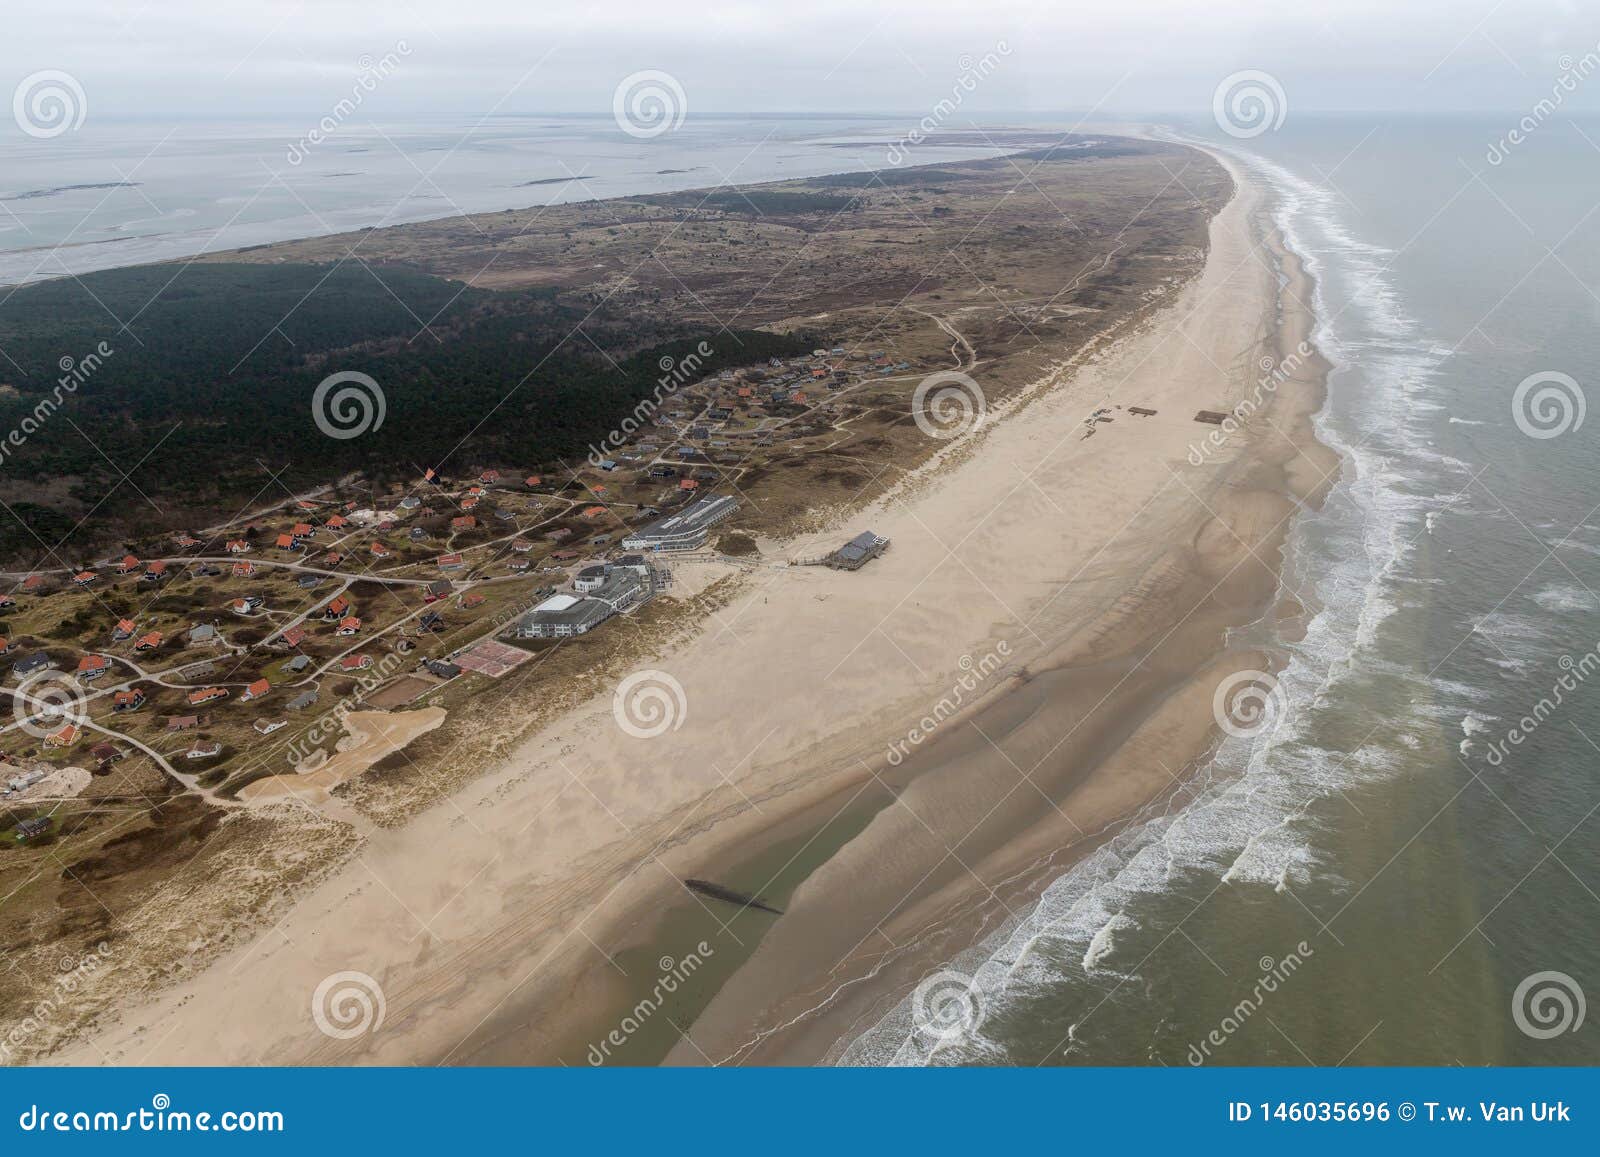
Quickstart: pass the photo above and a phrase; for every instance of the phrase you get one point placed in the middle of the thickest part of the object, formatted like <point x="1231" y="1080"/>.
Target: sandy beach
<point x="1091" y="578"/>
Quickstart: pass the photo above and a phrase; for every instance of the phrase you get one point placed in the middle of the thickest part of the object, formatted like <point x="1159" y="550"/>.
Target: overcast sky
<point x="286" y="58"/>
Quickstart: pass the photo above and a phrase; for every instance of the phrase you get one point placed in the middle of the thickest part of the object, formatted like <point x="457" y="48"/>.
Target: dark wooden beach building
<point x="859" y="551"/>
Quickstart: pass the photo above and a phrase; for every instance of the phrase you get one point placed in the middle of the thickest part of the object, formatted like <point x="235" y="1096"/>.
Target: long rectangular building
<point x="685" y="530"/>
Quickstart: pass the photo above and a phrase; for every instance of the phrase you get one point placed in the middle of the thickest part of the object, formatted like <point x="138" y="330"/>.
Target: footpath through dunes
<point x="497" y="914"/>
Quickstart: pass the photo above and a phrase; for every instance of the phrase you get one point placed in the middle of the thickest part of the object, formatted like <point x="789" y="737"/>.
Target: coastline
<point x="802" y="1000"/>
<point x="502" y="879"/>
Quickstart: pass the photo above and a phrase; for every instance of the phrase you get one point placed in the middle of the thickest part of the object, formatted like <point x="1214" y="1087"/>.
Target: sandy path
<point x="510" y="889"/>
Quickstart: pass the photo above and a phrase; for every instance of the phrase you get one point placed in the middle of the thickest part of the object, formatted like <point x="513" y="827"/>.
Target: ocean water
<point x="122" y="193"/>
<point x="1385" y="874"/>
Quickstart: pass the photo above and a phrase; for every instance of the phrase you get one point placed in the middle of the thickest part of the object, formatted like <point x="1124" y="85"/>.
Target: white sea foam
<point x="1566" y="597"/>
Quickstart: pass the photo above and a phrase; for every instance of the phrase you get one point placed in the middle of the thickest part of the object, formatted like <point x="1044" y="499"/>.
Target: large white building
<point x="685" y="530"/>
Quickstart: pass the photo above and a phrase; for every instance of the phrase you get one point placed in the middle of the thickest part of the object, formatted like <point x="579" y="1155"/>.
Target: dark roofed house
<point x="302" y="701"/>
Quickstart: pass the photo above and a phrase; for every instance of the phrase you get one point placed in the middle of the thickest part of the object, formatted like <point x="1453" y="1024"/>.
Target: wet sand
<point x="512" y="921"/>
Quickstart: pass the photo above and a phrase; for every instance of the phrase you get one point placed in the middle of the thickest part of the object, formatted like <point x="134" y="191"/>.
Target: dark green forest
<point x="213" y="367"/>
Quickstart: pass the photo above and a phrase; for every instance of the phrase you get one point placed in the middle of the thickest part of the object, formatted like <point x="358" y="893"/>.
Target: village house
<point x="182" y="722"/>
<point x="238" y="546"/>
<point x="303" y="700"/>
<point x="256" y="690"/>
<point x="24" y="667"/>
<point x="338" y="522"/>
<point x="66" y="737"/>
<point x="130" y="700"/>
<point x="463" y="522"/>
<point x="301" y="530"/>
<point x="286" y="542"/>
<point x="293" y="637"/>
<point x="348" y="626"/>
<point x="336" y="609"/>
<point x="268" y="726"/>
<point x="207" y="695"/>
<point x="32" y="583"/>
<point x="470" y="503"/>
<point x="489" y="477"/>
<point x="155" y="572"/>
<point x="123" y="630"/>
<point x="204" y="749"/>
<point x="148" y="641"/>
<point x="105" y="754"/>
<point x="244" y="570"/>
<point x="128" y="565"/>
<point x="436" y="590"/>
<point x="248" y="605"/>
<point x="83" y="578"/>
<point x="449" y="562"/>
<point x="379" y="550"/>
<point x="355" y="662"/>
<point x="92" y="667"/>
